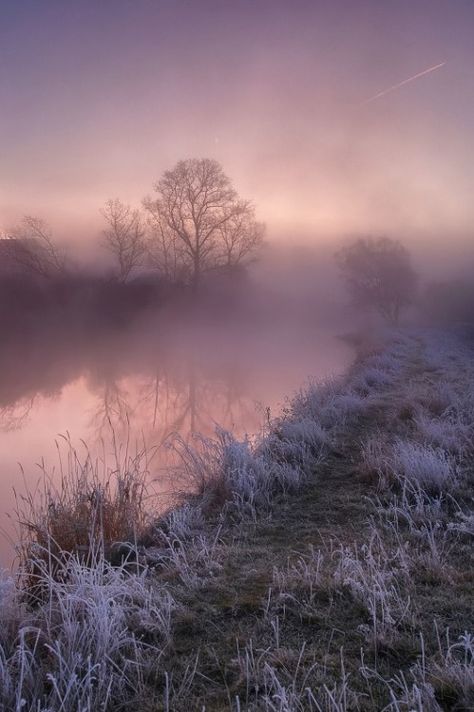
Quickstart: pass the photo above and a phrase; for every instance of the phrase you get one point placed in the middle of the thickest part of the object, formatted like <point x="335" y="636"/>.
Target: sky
<point x="99" y="97"/>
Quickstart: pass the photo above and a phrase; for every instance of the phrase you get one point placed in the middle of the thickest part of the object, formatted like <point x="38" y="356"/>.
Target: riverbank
<point x="326" y="565"/>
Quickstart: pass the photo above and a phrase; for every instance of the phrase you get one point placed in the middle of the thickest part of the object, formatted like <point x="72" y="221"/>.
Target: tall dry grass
<point x="85" y="506"/>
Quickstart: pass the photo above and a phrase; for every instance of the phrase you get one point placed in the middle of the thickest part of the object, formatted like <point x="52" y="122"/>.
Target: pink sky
<point x="99" y="98"/>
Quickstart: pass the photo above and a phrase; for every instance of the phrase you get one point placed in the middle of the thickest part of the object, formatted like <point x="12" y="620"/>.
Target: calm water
<point x="145" y="383"/>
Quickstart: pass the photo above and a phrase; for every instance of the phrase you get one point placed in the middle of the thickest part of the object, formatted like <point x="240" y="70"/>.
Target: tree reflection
<point x="188" y="400"/>
<point x="150" y="391"/>
<point x="15" y="416"/>
<point x="114" y="409"/>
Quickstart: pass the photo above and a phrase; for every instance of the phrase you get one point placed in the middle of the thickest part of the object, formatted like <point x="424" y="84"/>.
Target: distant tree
<point x="124" y="236"/>
<point x="378" y="274"/>
<point x="199" y="223"/>
<point x="33" y="249"/>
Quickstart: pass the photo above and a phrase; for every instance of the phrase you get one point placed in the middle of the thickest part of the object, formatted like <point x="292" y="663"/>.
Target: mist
<point x="236" y="355"/>
<point x="284" y="108"/>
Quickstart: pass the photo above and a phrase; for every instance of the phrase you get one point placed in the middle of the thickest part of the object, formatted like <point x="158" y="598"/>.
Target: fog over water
<point x="179" y="367"/>
<point x="332" y="120"/>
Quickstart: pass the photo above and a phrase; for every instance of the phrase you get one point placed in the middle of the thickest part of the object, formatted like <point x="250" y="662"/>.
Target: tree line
<point x="195" y="224"/>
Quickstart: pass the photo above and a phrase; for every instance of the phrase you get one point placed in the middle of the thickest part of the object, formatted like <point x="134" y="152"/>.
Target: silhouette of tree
<point x="124" y="237"/>
<point x="199" y="223"/>
<point x="378" y="274"/>
<point x="33" y="250"/>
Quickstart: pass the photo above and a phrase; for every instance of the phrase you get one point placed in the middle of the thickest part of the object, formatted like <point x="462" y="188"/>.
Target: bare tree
<point x="378" y="274"/>
<point x="124" y="236"/>
<point x="198" y="221"/>
<point x="165" y="250"/>
<point x="240" y="236"/>
<point x="33" y="249"/>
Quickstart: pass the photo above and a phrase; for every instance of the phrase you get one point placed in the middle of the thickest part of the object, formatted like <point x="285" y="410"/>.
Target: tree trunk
<point x="196" y="281"/>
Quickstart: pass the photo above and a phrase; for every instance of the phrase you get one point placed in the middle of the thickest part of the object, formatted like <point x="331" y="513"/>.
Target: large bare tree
<point x="124" y="236"/>
<point x="378" y="274"/>
<point x="199" y="223"/>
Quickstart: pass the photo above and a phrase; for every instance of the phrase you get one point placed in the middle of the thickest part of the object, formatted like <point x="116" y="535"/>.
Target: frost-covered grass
<point x="297" y="587"/>
<point x="226" y="473"/>
<point x="83" y="647"/>
<point x="451" y="671"/>
<point x="325" y="565"/>
<point x="432" y="468"/>
<point x="447" y="433"/>
<point x="244" y="476"/>
<point x="277" y="680"/>
<point x="378" y="579"/>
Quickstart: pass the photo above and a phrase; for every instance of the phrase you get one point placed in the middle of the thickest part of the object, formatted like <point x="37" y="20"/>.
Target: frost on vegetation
<point x="193" y="562"/>
<point x="381" y="370"/>
<point x="182" y="523"/>
<point x="415" y="511"/>
<point x="402" y="345"/>
<point x="224" y="471"/>
<point x="433" y="468"/>
<point x="378" y="580"/>
<point x="284" y="680"/>
<point x="9" y="596"/>
<point x="297" y="586"/>
<point x="331" y="403"/>
<point x="409" y="696"/>
<point x="452" y="668"/>
<point x="82" y="648"/>
<point x="90" y="505"/>
<point x="306" y="432"/>
<point x="434" y="548"/>
<point x="12" y="609"/>
<point x="312" y="401"/>
<point x="221" y="469"/>
<point x="297" y="442"/>
<point x="437" y="398"/>
<point x="426" y="540"/>
<point x="464" y="523"/>
<point x="96" y="634"/>
<point x="448" y="433"/>
<point x="372" y="378"/>
<point x="412" y="506"/>
<point x="389" y="361"/>
<point x="342" y="408"/>
<point x="374" y="459"/>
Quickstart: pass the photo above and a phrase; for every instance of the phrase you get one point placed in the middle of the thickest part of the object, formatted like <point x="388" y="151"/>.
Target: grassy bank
<point x="326" y="565"/>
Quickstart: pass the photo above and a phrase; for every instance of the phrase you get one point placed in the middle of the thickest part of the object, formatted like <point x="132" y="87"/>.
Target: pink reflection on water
<point x="146" y="409"/>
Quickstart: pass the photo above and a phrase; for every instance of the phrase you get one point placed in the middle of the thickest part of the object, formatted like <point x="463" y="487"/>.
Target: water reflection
<point x="15" y="415"/>
<point x="134" y="384"/>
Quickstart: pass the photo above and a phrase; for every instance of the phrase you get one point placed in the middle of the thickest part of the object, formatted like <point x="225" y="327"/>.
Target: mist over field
<point x="236" y="356"/>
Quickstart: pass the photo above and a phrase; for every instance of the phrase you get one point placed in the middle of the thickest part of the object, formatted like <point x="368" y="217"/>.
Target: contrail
<point x="401" y="84"/>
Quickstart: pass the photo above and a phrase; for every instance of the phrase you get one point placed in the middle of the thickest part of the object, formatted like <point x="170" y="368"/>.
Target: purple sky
<point x="99" y="97"/>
